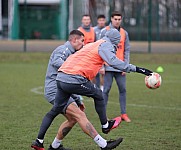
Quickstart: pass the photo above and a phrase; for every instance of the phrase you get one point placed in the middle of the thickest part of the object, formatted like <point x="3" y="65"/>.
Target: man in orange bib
<point x="75" y="76"/>
<point x="87" y="29"/>
<point x="123" y="53"/>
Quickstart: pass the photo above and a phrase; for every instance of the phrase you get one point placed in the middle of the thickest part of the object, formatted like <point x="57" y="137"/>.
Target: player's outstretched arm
<point x="107" y="53"/>
<point x="143" y="71"/>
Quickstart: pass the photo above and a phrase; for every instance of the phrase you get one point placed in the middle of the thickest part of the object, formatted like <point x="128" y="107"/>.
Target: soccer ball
<point x="153" y="81"/>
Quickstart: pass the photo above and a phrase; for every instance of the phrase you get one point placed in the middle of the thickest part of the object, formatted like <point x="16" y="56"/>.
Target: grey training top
<point x="126" y="49"/>
<point x="97" y="31"/>
<point x="58" y="56"/>
<point x="107" y="53"/>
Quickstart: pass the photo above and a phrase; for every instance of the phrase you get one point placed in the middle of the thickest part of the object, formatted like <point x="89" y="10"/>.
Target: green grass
<point x="155" y="114"/>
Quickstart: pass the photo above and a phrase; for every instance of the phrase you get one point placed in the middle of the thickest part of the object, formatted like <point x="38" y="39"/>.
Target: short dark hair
<point x="101" y="16"/>
<point x="75" y="33"/>
<point x="116" y="13"/>
<point x="85" y="15"/>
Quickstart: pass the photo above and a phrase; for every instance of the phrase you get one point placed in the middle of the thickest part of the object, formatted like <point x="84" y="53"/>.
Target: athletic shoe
<point x="59" y="148"/>
<point x="37" y="145"/>
<point x="110" y="125"/>
<point x="125" y="118"/>
<point x="112" y="144"/>
<point x="117" y="122"/>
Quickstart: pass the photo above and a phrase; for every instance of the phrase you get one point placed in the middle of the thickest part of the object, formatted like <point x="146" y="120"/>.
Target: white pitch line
<point x="155" y="107"/>
<point x="143" y="106"/>
<point x="38" y="90"/>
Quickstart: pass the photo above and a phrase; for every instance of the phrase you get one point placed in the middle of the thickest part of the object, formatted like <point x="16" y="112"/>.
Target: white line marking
<point x="155" y="107"/>
<point x="143" y="106"/>
<point x="38" y="90"/>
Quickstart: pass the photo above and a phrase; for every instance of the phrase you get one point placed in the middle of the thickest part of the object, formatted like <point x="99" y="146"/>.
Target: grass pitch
<point x="155" y="114"/>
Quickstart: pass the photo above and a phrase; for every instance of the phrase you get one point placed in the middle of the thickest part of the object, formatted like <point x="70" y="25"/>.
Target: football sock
<point x="102" y="87"/>
<point x="56" y="143"/>
<point x="105" y="125"/>
<point x="40" y="140"/>
<point x="100" y="141"/>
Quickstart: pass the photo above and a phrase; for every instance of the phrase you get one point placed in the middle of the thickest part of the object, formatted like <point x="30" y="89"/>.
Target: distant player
<point x="101" y="23"/>
<point x="87" y="29"/>
<point x="123" y="53"/>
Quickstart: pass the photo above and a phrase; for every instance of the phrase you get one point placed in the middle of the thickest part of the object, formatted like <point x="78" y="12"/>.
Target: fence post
<point x="63" y="19"/>
<point x="14" y="27"/>
<point x="149" y="25"/>
<point x="25" y="27"/>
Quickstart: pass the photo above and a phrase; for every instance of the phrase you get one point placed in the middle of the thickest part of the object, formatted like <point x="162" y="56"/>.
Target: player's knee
<point x="97" y="95"/>
<point x="122" y="90"/>
<point x="72" y="122"/>
<point x="52" y="113"/>
<point x="56" y="110"/>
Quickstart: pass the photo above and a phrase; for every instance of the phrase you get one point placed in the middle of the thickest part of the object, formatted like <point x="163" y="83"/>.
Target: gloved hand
<point x="143" y="71"/>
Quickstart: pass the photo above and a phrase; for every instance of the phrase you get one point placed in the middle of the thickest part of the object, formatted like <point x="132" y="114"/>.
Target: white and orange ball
<point x="153" y="81"/>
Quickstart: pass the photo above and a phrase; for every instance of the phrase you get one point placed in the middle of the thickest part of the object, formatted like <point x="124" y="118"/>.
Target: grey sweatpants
<point x="121" y="83"/>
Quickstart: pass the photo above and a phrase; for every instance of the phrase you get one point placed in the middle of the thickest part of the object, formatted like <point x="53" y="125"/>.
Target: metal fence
<point x="159" y="20"/>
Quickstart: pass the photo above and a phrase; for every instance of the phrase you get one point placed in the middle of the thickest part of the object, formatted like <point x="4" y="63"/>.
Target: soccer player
<point x="123" y="53"/>
<point x="101" y="23"/>
<point x="75" y="76"/>
<point x="87" y="29"/>
<point x="57" y="58"/>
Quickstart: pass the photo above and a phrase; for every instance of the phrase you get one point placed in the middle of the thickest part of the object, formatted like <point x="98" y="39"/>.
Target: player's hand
<point x="143" y="71"/>
<point x="82" y="106"/>
<point x="102" y="71"/>
<point x="123" y="73"/>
